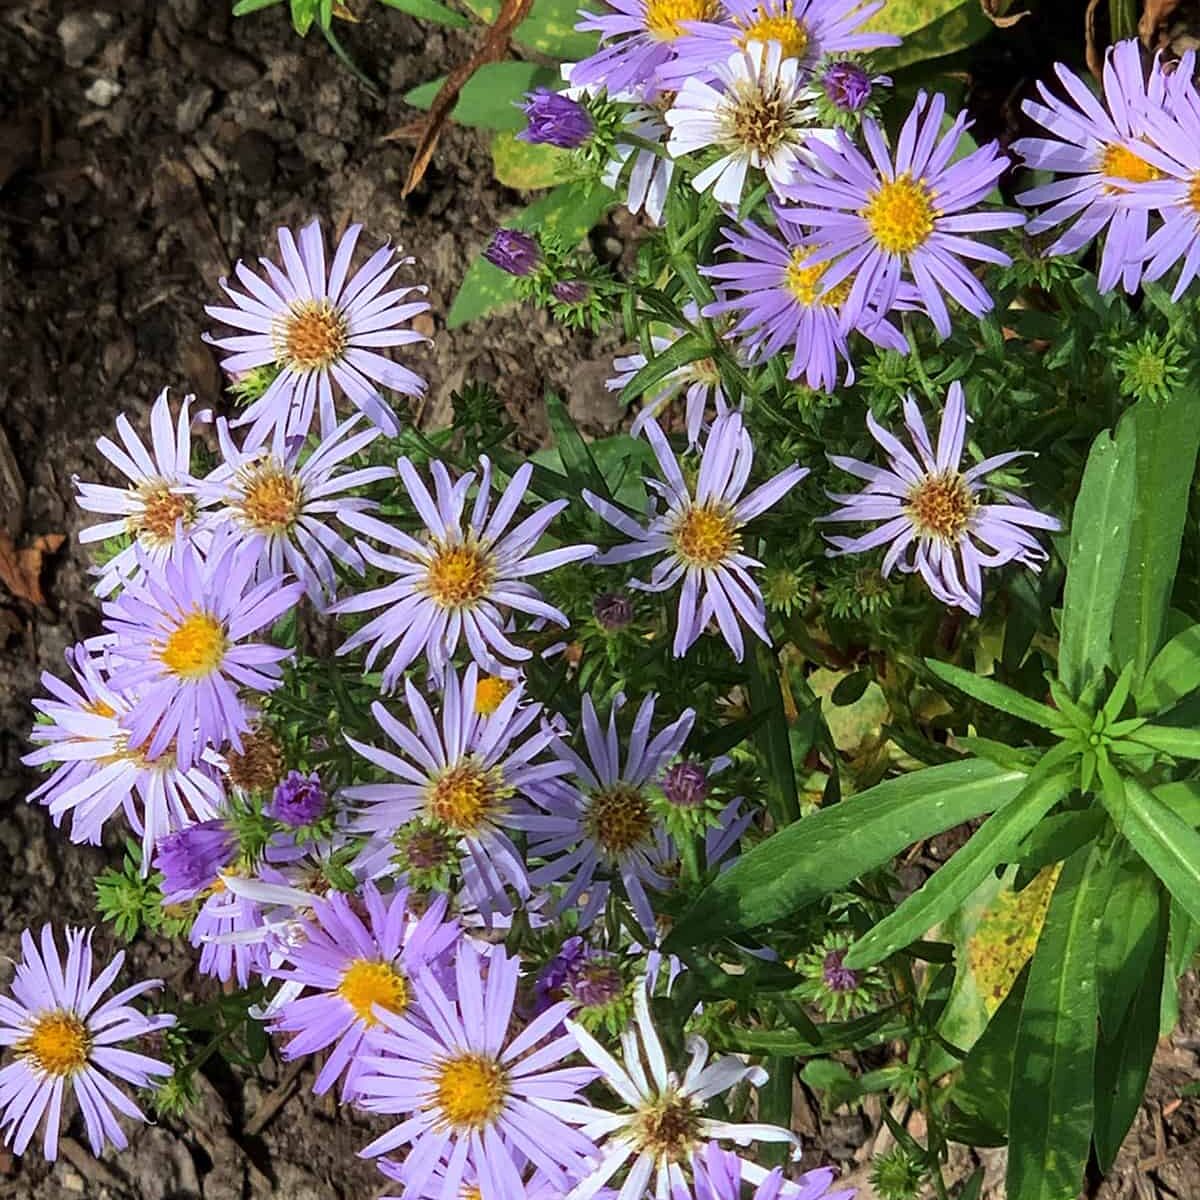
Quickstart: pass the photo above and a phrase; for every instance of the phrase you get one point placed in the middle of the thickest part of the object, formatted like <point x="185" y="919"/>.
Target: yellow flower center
<point x="706" y="535"/>
<point x="490" y="693"/>
<point x="900" y="214"/>
<point x="1121" y="163"/>
<point x="162" y="510"/>
<point x="472" y="1193"/>
<point x="465" y="796"/>
<point x="1193" y="195"/>
<point x="459" y="576"/>
<point x="196" y="647"/>
<point x="271" y="498"/>
<point x="618" y="819"/>
<point x="805" y="282"/>
<point x="59" y="1043"/>
<point x="667" y="1128"/>
<point x="470" y="1091"/>
<point x="366" y="984"/>
<point x="311" y="336"/>
<point x="941" y="506"/>
<point x="663" y="17"/>
<point x="776" y="24"/>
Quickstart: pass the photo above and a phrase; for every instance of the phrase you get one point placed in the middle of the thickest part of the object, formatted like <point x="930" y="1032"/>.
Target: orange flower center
<point x="469" y="1091"/>
<point x="941" y="506"/>
<point x="706" y="535"/>
<point x="162" y="510"/>
<point x="59" y="1043"/>
<point x="196" y="647"/>
<point x="271" y="497"/>
<point x="311" y="336"/>
<point x="459" y="576"/>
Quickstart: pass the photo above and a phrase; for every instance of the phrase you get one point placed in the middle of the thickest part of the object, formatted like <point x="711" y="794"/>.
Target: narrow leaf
<point x="689" y="348"/>
<point x="823" y="853"/>
<point x="1174" y="673"/>
<point x="1126" y="939"/>
<point x="429" y="10"/>
<point x="771" y="738"/>
<point x="1166" y="739"/>
<point x="577" y="459"/>
<point x="995" y="695"/>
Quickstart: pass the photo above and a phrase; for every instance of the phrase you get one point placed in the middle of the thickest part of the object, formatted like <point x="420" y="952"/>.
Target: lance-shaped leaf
<point x="1099" y="545"/>
<point x="1050" y="1104"/>
<point x="1174" y="673"/>
<point x="1166" y="739"/>
<point x="996" y="695"/>
<point x="949" y="888"/>
<point x="689" y="348"/>
<point x="823" y="853"/>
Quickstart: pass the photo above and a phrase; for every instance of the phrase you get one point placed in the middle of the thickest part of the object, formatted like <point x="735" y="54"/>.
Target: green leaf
<point x="1099" y="543"/>
<point x="567" y="212"/>
<point x="954" y="25"/>
<point x="1058" y="837"/>
<point x="771" y="739"/>
<point x="949" y="888"/>
<point x="304" y="12"/>
<point x="1167" y="437"/>
<point x="429" y="10"/>
<point x="823" y="853"/>
<point x="679" y="353"/>
<point x="577" y="459"/>
<point x="849" y="690"/>
<point x="1167" y="739"/>
<point x="488" y="99"/>
<point x="549" y="27"/>
<point x="1127" y="936"/>
<point x="1123" y="1060"/>
<point x="243" y="7"/>
<point x="1174" y="673"/>
<point x="996" y="695"/>
<point x="1168" y="845"/>
<point x="1050" y="1106"/>
<point x="518" y="164"/>
<point x="983" y="1085"/>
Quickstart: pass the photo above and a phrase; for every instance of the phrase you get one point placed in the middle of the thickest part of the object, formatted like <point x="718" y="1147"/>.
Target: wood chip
<point x="21" y="570"/>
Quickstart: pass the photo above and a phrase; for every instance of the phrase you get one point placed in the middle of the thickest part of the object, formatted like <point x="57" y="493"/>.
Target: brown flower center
<point x="941" y="506"/>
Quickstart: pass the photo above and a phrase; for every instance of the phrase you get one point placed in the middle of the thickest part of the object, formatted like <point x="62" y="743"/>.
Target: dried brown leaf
<point x="1092" y="49"/>
<point x="1154" y="16"/>
<point x="21" y="570"/>
<point x="493" y="48"/>
<point x="997" y="12"/>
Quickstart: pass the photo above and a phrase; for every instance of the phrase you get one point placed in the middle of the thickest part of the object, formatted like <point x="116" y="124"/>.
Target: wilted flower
<point x="513" y="251"/>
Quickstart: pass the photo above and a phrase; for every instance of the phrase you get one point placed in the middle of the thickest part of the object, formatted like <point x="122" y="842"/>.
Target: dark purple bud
<point x="548" y="988"/>
<point x="838" y="978"/>
<point x="298" y="800"/>
<point x="191" y="859"/>
<point x="595" y="983"/>
<point x="555" y="120"/>
<point x="571" y="291"/>
<point x="685" y="785"/>
<point x="612" y="611"/>
<point x="847" y="85"/>
<point x="513" y="251"/>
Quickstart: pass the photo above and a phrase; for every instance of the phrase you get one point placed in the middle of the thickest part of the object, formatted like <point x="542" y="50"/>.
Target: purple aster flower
<point x="805" y="30"/>
<point x="1099" y="148"/>
<point x="322" y="327"/>
<point x="756" y="112"/>
<point x="230" y="935"/>
<point x="685" y="785"/>
<point x="354" y="968"/>
<point x="472" y="1095"/>
<point x="280" y="506"/>
<point x="513" y="251"/>
<point x="555" y="120"/>
<point x="663" y="1127"/>
<point x="847" y="86"/>
<point x="454" y="581"/>
<point x="613" y="611"/>
<point x="159" y="503"/>
<point x="933" y="519"/>
<point x="836" y="975"/>
<point x="298" y="800"/>
<point x="552" y="979"/>
<point x="698" y="381"/>
<point x="643" y="176"/>
<point x="60" y="1031"/>
<point x="191" y="860"/>
<point x="719" y="1175"/>
<point x="468" y="775"/>
<point x="98" y="772"/>
<point x="876" y="219"/>
<point x="700" y="534"/>
<point x="177" y="637"/>
<point x="778" y="285"/>
<point x="601" y="826"/>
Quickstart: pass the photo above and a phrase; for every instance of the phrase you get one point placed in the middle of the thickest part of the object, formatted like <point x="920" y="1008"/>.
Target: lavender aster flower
<point x="685" y="785"/>
<point x="777" y="285"/>
<point x="453" y="582"/>
<point x="280" y="507"/>
<point x="98" y="771"/>
<point x="663" y="1126"/>
<point x="555" y="120"/>
<point x="230" y="935"/>
<point x="473" y="1096"/>
<point x="322" y="327"/>
<point x="757" y="115"/>
<point x="467" y="775"/>
<point x="178" y="638"/>
<point x="192" y="859"/>
<point x="719" y="1174"/>
<point x="805" y="30"/>
<point x="847" y="86"/>
<point x="513" y="251"/>
<point x="59" y="1031"/>
<point x="885" y="216"/>
<point x="645" y="177"/>
<point x="1099" y="150"/>
<point x="602" y="825"/>
<point x="933" y="518"/>
<point x="299" y="800"/>
<point x="701" y="534"/>
<point x="159" y="503"/>
<point x="354" y="968"/>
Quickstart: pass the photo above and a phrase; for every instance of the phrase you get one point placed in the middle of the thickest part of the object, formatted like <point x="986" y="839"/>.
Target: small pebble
<point x="102" y="93"/>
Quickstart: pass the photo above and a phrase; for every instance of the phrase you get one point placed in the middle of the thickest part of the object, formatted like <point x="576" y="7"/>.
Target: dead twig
<point x="275" y="1099"/>
<point x="90" y="1167"/>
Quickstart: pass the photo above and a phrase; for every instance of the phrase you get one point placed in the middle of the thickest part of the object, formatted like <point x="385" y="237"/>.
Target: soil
<point x="145" y="145"/>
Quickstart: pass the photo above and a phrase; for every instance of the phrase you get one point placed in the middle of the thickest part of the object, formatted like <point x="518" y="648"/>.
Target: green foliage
<point x="130" y="899"/>
<point x="488" y="99"/>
